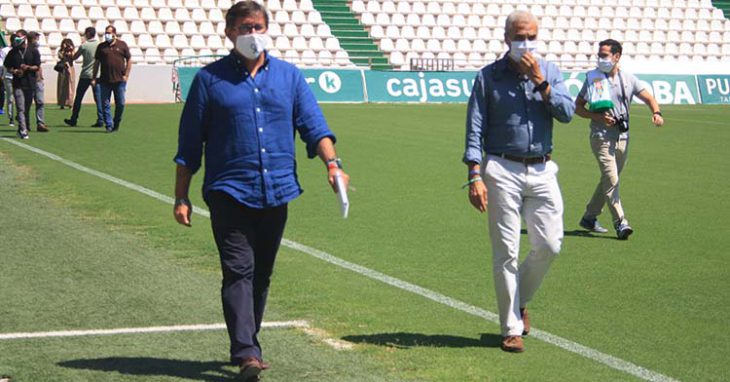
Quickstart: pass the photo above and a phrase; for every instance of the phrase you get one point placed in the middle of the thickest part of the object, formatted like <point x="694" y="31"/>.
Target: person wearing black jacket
<point x="23" y="62"/>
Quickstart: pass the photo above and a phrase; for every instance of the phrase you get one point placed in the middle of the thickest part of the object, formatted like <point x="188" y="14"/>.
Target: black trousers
<point x="248" y="240"/>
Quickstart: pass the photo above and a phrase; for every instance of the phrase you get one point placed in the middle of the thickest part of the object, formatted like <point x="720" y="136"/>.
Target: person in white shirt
<point x="610" y="132"/>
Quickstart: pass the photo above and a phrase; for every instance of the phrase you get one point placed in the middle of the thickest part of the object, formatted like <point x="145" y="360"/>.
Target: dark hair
<point x="114" y="30"/>
<point x="90" y="31"/>
<point x="33" y="35"/>
<point x="245" y="8"/>
<point x="615" y="46"/>
<point x="21" y="32"/>
<point x="67" y="42"/>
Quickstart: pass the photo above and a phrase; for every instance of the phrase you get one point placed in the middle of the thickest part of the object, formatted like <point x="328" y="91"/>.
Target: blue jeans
<point x="118" y="89"/>
<point x="81" y="89"/>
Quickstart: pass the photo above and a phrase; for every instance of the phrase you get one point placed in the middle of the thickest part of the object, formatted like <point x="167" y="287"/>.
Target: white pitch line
<point x="149" y="329"/>
<point x="563" y="343"/>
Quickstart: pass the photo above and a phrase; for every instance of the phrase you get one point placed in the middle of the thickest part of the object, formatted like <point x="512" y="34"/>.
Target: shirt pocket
<point x="277" y="104"/>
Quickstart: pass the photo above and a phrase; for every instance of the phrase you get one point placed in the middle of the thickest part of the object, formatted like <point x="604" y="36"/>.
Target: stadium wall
<point x="154" y="84"/>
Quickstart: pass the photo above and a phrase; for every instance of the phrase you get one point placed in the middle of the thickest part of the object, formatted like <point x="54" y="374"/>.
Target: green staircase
<point x="723" y="5"/>
<point x="353" y="38"/>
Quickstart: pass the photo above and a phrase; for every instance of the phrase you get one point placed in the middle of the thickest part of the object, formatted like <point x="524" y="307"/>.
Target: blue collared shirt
<point x="505" y="116"/>
<point x="246" y="126"/>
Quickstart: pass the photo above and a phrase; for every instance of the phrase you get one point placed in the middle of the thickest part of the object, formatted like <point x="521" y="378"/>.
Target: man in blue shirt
<point x="244" y="111"/>
<point x="510" y="118"/>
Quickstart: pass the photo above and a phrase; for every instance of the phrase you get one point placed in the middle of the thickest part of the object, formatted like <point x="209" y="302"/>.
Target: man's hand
<point x="531" y="68"/>
<point x="331" y="178"/>
<point x="478" y="195"/>
<point x="657" y="120"/>
<point x="183" y="213"/>
<point x="605" y="118"/>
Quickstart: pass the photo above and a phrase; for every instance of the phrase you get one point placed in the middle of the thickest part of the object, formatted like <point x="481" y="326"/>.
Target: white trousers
<point x="516" y="191"/>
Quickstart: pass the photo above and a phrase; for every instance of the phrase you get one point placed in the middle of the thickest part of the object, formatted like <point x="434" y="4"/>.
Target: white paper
<point x="342" y="195"/>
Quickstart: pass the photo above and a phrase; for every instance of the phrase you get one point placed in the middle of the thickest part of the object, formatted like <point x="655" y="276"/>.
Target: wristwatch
<point x="334" y="162"/>
<point x="543" y="85"/>
<point x="659" y="113"/>
<point x="181" y="201"/>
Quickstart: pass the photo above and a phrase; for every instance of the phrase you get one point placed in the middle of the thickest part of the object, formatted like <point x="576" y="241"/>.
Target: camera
<point x="622" y="124"/>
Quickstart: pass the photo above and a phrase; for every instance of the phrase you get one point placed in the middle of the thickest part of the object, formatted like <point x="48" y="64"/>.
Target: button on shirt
<point x="505" y="116"/>
<point x="246" y="126"/>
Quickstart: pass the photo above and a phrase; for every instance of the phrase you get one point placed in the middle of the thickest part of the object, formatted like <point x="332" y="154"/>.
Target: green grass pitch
<point x="79" y="252"/>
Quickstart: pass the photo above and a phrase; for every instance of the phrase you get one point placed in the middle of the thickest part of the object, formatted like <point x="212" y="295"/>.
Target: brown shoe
<point x="250" y="369"/>
<point x="513" y="344"/>
<point x="265" y="365"/>
<point x="41" y="128"/>
<point x="525" y="321"/>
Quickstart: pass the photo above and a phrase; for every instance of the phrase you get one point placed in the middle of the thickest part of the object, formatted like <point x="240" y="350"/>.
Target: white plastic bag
<point x="598" y="94"/>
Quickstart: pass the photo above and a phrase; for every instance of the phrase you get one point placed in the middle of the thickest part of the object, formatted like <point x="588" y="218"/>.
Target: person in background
<point x="115" y="61"/>
<point x="243" y="113"/>
<point x="6" y="84"/>
<point x="39" y="89"/>
<point x="23" y="62"/>
<point x="609" y="135"/>
<point x="67" y="77"/>
<point x="87" y="51"/>
<point x="510" y="119"/>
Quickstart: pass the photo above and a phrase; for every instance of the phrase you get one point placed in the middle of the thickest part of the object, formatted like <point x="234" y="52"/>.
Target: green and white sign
<point x="422" y="87"/>
<point x="335" y="85"/>
<point x="669" y="89"/>
<point x="715" y="89"/>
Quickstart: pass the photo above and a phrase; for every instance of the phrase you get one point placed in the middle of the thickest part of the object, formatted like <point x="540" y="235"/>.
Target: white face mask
<point x="251" y="45"/>
<point x="518" y="48"/>
<point x="108" y="37"/>
<point x="605" y="65"/>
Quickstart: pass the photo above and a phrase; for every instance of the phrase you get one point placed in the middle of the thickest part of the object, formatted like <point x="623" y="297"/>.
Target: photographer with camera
<point x="605" y="99"/>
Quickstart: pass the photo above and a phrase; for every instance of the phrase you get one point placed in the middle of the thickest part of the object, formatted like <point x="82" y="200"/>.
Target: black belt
<point x="526" y="161"/>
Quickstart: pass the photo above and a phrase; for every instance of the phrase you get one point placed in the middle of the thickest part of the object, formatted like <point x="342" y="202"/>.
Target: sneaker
<point x="513" y="344"/>
<point x="592" y="225"/>
<point x="41" y="128"/>
<point x="70" y="122"/>
<point x="23" y="136"/>
<point x="11" y="123"/>
<point x="623" y="230"/>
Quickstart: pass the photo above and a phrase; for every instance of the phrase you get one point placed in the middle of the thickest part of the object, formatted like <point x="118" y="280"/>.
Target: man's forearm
<point x="580" y="109"/>
<point x="326" y="149"/>
<point x="183" y="175"/>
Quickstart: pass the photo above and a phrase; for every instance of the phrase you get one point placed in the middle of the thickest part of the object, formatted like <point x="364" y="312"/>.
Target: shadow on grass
<point x="82" y="131"/>
<point x="580" y="233"/>
<point x="211" y="371"/>
<point x="409" y="340"/>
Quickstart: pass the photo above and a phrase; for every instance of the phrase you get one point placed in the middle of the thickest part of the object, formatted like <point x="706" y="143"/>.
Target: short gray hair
<point x="518" y="15"/>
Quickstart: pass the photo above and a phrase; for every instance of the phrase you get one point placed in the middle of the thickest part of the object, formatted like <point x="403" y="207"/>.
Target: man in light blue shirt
<point x="510" y="119"/>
